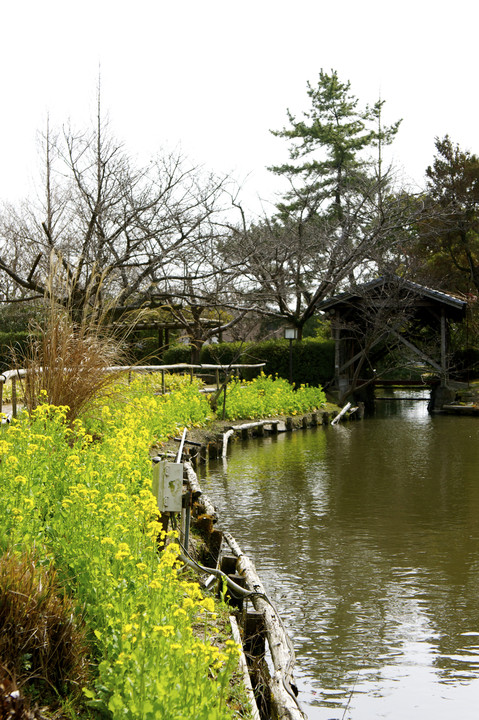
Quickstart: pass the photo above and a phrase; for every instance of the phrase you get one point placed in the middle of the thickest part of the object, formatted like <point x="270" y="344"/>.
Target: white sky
<point x="214" y="76"/>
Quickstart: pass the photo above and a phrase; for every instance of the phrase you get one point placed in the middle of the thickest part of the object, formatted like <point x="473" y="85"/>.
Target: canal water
<point x="366" y="537"/>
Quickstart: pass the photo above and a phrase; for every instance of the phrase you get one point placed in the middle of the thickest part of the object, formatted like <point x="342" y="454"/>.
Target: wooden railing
<point x="14" y="375"/>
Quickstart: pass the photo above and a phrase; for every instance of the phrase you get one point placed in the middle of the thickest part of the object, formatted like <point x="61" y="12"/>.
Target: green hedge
<point x="313" y="360"/>
<point x="466" y="363"/>
<point x="177" y="354"/>
<point x="18" y="340"/>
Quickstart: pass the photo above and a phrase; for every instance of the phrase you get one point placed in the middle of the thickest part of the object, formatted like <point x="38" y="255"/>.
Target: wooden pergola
<point x="385" y="310"/>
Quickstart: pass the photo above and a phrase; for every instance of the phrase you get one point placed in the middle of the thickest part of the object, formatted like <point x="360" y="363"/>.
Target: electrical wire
<point x="238" y="592"/>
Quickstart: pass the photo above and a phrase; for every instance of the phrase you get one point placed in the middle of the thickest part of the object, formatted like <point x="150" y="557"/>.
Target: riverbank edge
<point x="204" y="443"/>
<point x="208" y="442"/>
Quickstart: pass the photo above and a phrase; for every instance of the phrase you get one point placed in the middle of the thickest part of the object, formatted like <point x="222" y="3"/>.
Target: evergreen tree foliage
<point x="338" y="215"/>
<point x="327" y="148"/>
<point x="447" y="249"/>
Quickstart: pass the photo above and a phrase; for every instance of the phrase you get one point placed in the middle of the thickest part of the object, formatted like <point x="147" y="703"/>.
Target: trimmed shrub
<point x="313" y="359"/>
<point x="226" y="353"/>
<point x="18" y="341"/>
<point x="177" y="354"/>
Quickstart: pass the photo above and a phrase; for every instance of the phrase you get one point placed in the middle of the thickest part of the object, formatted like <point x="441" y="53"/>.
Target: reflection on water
<point x="366" y="535"/>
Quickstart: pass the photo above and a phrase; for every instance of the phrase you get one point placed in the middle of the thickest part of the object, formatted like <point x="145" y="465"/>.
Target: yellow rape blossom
<point x="123" y="551"/>
<point x="165" y="630"/>
<point x="107" y="541"/>
<point x="208" y="604"/>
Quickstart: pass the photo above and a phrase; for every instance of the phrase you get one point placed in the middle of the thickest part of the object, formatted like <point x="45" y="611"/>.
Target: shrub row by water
<point x="312" y="360"/>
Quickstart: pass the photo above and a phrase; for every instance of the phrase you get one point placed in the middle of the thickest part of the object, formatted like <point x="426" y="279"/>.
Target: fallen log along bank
<point x="241" y="577"/>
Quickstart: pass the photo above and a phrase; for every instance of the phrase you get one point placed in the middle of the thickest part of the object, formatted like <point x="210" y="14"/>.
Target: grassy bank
<point x="77" y="517"/>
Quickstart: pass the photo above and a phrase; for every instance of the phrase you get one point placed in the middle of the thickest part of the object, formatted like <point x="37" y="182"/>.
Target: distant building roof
<point x="455" y="305"/>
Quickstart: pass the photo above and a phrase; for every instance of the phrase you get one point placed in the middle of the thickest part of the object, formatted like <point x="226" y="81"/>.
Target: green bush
<point x="18" y="340"/>
<point x="313" y="359"/>
<point x="177" y="354"/>
<point x="224" y="353"/>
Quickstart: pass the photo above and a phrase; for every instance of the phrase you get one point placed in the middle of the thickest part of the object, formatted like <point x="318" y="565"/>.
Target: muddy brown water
<point x="366" y="536"/>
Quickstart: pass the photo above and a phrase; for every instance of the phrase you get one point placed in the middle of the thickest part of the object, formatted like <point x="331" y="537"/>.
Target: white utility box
<point x="167" y="485"/>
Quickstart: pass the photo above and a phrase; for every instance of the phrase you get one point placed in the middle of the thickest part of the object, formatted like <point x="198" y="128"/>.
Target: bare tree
<point x="201" y="292"/>
<point x="117" y="230"/>
<point x="290" y="265"/>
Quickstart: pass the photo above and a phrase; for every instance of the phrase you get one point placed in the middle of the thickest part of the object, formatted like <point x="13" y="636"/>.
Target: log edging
<point x="282" y="684"/>
<point x="283" y="687"/>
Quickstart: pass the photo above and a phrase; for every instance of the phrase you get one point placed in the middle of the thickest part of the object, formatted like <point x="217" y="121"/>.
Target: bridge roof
<point x="454" y="306"/>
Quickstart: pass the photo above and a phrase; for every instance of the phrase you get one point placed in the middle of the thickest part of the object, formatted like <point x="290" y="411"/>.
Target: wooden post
<point x="233" y="601"/>
<point x="202" y="454"/>
<point x="228" y="564"/>
<point x="443" y="348"/>
<point x="217" y="379"/>
<point x="337" y="340"/>
<point x="14" y="396"/>
<point x="162" y="382"/>
<point x="160" y="342"/>
<point x="212" y="450"/>
<point x="1" y="395"/>
<point x="254" y="634"/>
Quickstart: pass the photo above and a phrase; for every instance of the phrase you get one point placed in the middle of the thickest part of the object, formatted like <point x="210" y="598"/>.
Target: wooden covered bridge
<point x="384" y="315"/>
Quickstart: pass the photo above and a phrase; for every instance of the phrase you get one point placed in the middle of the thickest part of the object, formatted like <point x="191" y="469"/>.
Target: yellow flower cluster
<point x="89" y="505"/>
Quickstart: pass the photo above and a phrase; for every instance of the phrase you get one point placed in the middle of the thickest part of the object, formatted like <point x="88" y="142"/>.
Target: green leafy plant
<point x="265" y="396"/>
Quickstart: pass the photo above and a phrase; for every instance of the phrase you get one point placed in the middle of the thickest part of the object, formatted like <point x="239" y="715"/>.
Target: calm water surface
<point x="366" y="536"/>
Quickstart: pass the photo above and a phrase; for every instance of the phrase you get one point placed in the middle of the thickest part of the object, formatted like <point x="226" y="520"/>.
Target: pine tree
<point x="328" y="151"/>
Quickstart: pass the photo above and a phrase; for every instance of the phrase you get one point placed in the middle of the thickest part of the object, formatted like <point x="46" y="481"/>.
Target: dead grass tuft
<point x="42" y="640"/>
<point x="13" y="705"/>
<point x="68" y="354"/>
